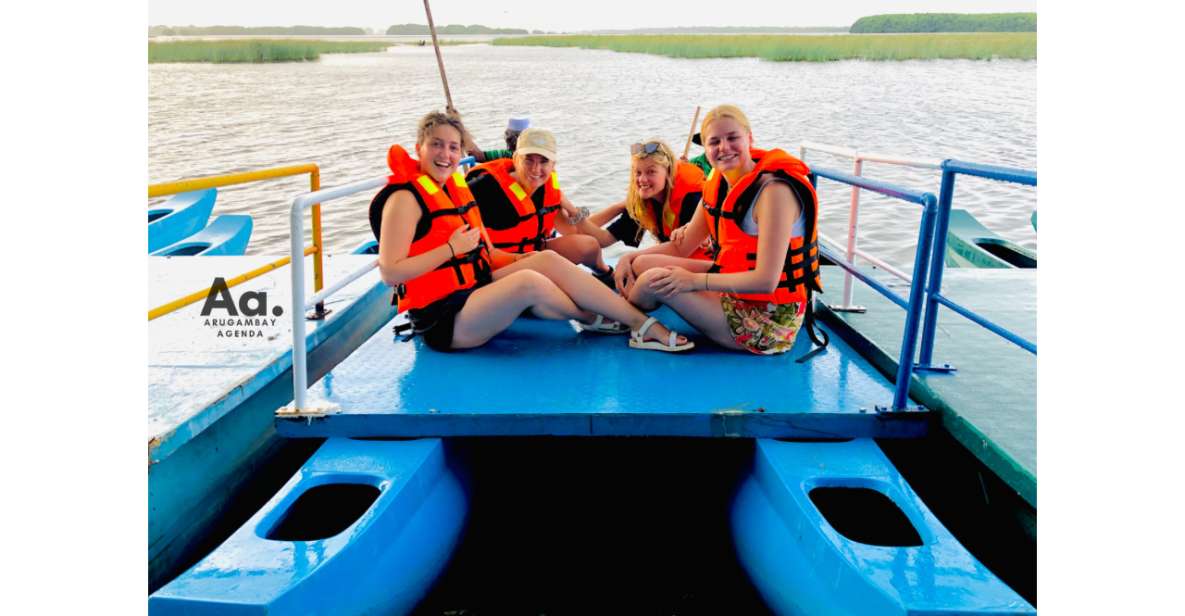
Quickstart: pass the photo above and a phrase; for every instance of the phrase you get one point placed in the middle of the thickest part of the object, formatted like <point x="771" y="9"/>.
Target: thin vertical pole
<point x="318" y="257"/>
<point x="448" y="97"/>
<point x="937" y="265"/>
<point x="691" y="132"/>
<point x="300" y="374"/>
<point x="853" y="218"/>
<point x="914" y="312"/>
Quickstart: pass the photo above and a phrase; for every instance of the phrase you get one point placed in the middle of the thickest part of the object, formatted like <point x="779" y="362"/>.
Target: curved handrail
<point x="950" y="169"/>
<point x="300" y="375"/>
<point x="913" y="306"/>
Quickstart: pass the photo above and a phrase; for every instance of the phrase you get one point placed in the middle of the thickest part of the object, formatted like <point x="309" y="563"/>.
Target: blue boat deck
<point x="196" y="375"/>
<point x="989" y="404"/>
<point x="545" y="378"/>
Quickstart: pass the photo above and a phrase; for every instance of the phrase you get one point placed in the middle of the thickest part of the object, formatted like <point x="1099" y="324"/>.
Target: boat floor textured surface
<point x="545" y="378"/>
<point x="200" y="367"/>
<point x="990" y="403"/>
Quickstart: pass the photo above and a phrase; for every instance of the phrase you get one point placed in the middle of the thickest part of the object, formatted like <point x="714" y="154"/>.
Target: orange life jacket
<point x="446" y="208"/>
<point x="689" y="178"/>
<point x="737" y="250"/>
<point x="535" y="225"/>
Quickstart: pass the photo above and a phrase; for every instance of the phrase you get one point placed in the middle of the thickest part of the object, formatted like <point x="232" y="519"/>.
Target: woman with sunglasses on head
<point x="662" y="196"/>
<point x="460" y="291"/>
<point x="760" y="210"/>
<point x="522" y="205"/>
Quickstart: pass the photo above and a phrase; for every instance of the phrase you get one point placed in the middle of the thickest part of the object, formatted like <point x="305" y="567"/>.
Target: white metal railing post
<point x="300" y="373"/>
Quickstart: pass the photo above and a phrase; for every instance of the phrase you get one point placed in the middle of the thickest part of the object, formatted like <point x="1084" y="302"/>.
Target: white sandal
<point x="601" y="325"/>
<point x="638" y="339"/>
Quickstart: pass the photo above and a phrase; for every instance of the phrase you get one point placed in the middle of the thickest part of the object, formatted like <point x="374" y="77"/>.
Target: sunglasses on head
<point x="648" y="148"/>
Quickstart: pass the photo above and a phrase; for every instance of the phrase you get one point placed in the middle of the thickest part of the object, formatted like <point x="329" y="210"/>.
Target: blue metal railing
<point x="950" y="169"/>
<point x="913" y="306"/>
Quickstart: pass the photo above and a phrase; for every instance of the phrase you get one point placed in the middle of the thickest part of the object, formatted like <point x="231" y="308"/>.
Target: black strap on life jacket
<point x="812" y="331"/>
<point x="481" y="270"/>
<point x="453" y="211"/>
<point x="404" y="332"/>
<point x="804" y="272"/>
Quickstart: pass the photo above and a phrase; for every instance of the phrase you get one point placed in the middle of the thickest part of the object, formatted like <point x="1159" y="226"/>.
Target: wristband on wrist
<point x="450" y="249"/>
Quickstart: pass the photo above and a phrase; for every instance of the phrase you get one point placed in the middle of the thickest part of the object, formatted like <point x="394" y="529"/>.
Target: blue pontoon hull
<point x="383" y="562"/>
<point x="179" y="217"/>
<point x="970" y="244"/>
<point x="228" y="235"/>
<point x="801" y="563"/>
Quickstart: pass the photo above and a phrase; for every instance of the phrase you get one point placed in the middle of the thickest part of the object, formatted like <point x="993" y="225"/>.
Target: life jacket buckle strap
<point x="404" y="332"/>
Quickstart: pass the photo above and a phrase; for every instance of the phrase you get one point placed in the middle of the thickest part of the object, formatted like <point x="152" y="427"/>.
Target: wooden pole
<point x="439" y="60"/>
<point x="690" y="133"/>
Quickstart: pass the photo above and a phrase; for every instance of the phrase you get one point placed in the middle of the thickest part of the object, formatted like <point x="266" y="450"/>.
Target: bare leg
<point x="492" y="308"/>
<point x="700" y="308"/>
<point x="642" y="263"/>
<point x="586" y="291"/>
<point x="580" y="249"/>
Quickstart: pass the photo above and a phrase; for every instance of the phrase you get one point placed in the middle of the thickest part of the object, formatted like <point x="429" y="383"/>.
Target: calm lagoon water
<point x="343" y="112"/>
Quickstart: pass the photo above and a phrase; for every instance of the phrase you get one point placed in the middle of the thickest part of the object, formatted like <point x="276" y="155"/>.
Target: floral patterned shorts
<point x="761" y="327"/>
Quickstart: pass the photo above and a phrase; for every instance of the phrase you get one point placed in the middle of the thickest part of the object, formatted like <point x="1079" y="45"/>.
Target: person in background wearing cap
<point x="457" y="290"/>
<point x="513" y="129"/>
<point x="700" y="161"/>
<point x="522" y="206"/>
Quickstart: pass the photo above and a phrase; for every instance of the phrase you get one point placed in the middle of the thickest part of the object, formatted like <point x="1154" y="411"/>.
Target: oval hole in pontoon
<point x="865" y="516"/>
<point x="324" y="511"/>
<point x="1005" y="252"/>
<point x="188" y="251"/>
<point x="155" y="214"/>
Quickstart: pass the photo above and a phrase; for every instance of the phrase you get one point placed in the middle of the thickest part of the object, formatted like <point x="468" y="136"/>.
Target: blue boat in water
<point x="179" y="217"/>
<point x="227" y="235"/>
<point x="842" y="480"/>
<point x="970" y="244"/>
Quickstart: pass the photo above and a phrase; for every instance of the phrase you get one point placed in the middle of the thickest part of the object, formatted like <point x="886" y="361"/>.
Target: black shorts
<point x="435" y="322"/>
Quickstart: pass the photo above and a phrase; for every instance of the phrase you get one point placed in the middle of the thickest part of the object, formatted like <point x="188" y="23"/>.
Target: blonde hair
<point x="635" y="206"/>
<point x="438" y="118"/>
<point x="724" y="111"/>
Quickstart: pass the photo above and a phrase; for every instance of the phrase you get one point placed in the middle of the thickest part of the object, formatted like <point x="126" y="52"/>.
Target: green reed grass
<point x="254" y="50"/>
<point x="807" y="48"/>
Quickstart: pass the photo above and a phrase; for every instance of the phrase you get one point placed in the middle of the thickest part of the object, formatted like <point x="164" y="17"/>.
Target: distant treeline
<point x="251" y="31"/>
<point x="725" y="30"/>
<point x="946" y="22"/>
<point x="452" y="29"/>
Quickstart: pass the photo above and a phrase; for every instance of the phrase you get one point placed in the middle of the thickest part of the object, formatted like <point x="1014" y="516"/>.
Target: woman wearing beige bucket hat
<point x="523" y="206"/>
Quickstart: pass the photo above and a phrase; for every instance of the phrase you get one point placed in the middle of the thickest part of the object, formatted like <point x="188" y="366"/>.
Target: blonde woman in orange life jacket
<point x="458" y="290"/>
<point x="760" y="211"/>
<point x="663" y="195"/>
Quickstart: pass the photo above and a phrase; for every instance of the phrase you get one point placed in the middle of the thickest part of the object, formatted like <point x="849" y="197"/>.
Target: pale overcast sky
<point x="554" y="16"/>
